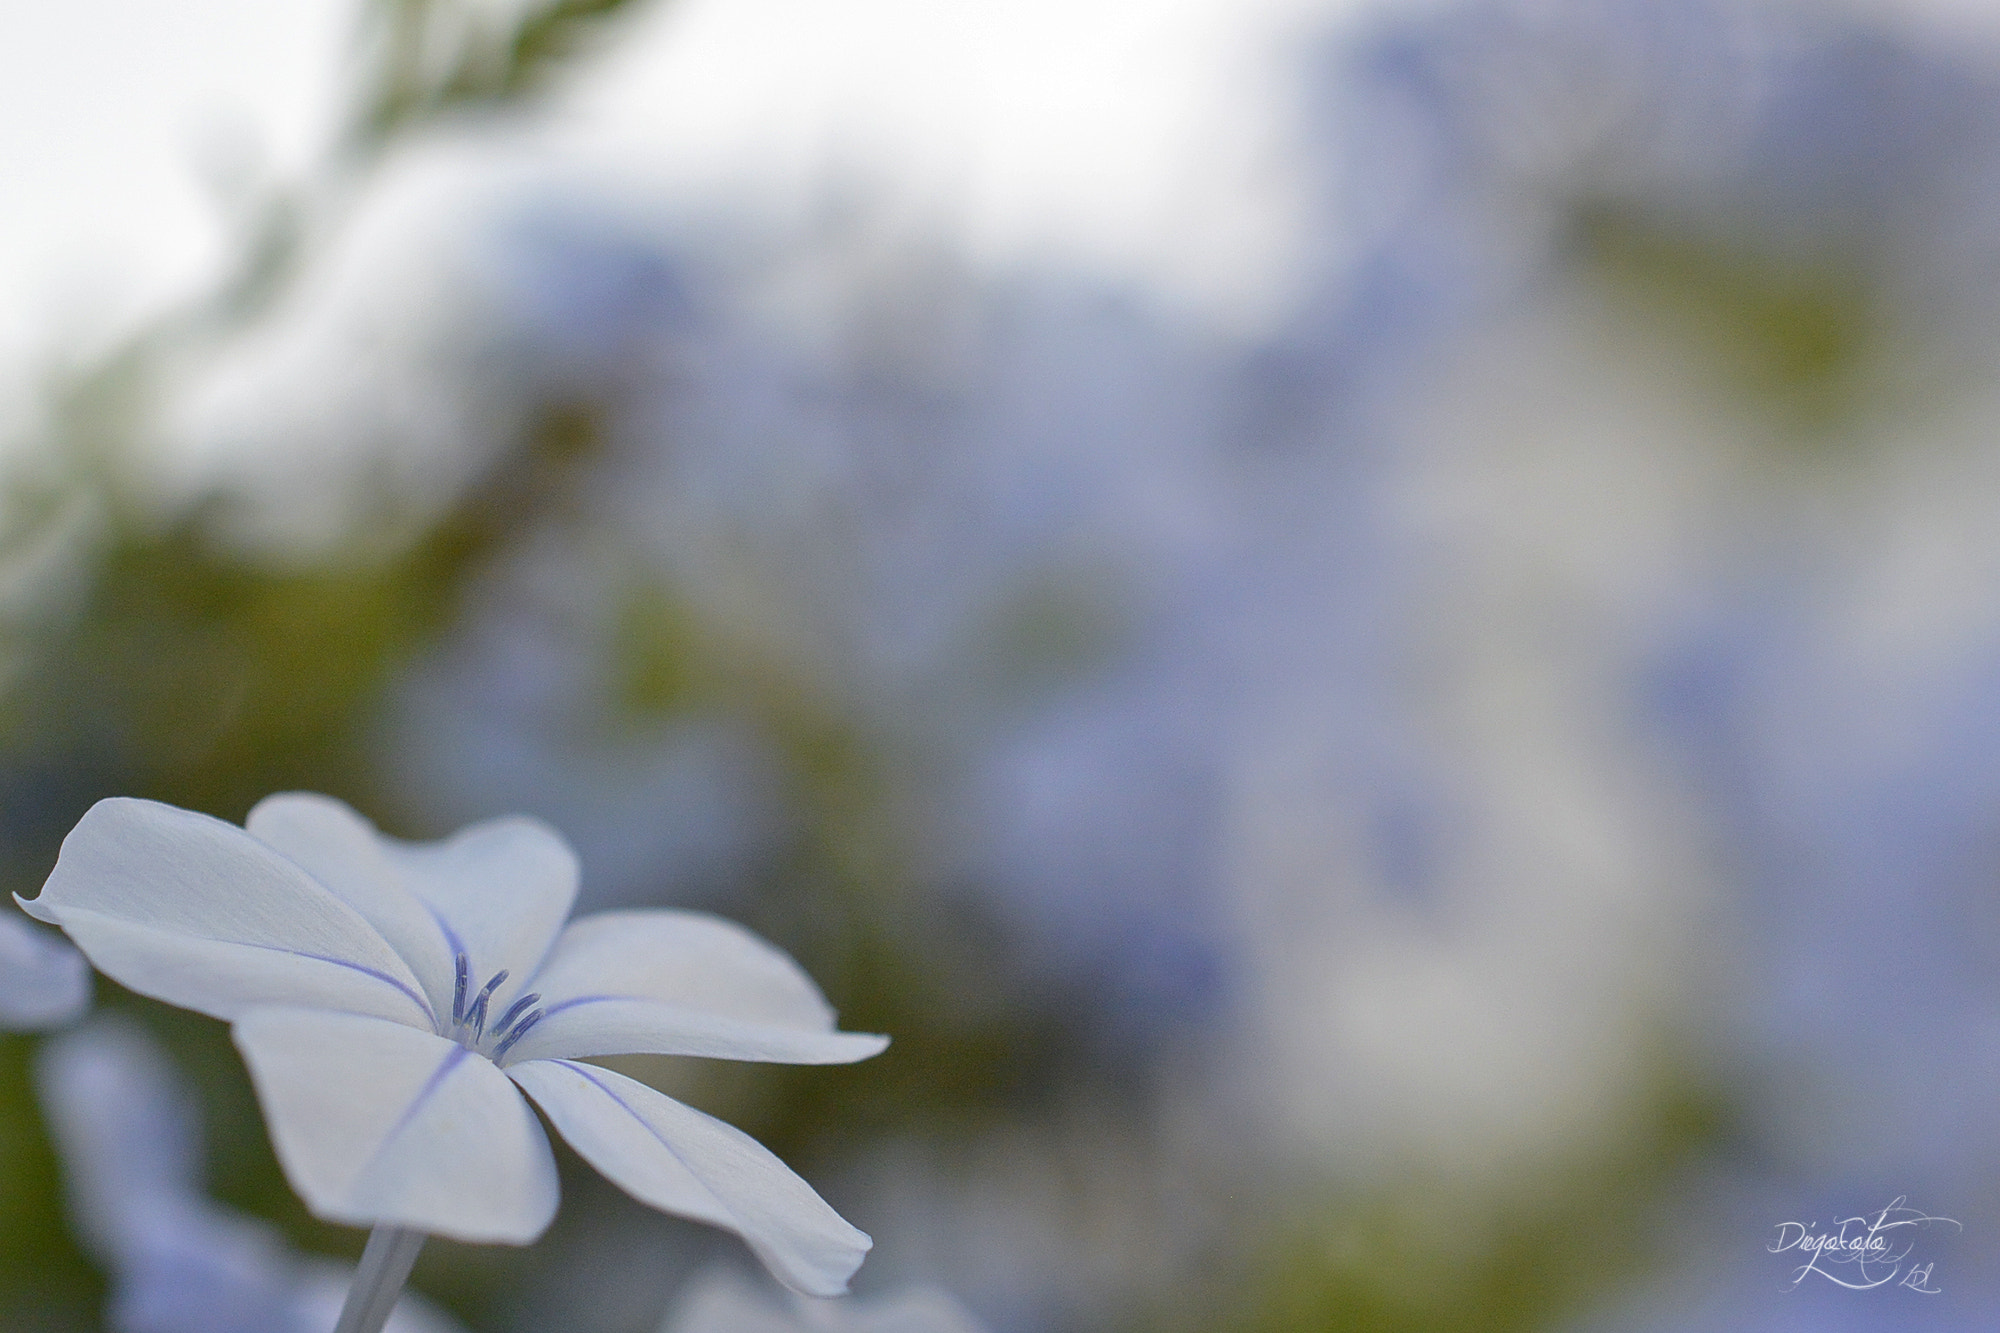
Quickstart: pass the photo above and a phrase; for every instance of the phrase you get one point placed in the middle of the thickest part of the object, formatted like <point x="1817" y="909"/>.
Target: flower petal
<point x="613" y="1025"/>
<point x="198" y="913"/>
<point x="677" y="1159"/>
<point x="44" y="983"/>
<point x="681" y="983"/>
<point x="501" y="889"/>
<point x="342" y="850"/>
<point x="378" y="1123"/>
<point x="689" y="959"/>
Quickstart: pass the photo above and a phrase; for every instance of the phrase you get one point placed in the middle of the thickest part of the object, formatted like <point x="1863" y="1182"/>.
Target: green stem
<point x="385" y="1267"/>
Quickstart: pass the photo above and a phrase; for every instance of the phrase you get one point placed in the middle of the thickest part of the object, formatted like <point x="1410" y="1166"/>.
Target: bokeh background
<point x="1371" y="629"/>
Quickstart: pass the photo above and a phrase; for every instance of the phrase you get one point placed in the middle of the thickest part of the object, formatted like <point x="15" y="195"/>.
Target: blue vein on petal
<point x="589" y="1076"/>
<point x="554" y="1009"/>
<point x="415" y="998"/>
<point x="438" y="1075"/>
<point x="451" y="939"/>
<point x="576" y="1001"/>
<point x="453" y="944"/>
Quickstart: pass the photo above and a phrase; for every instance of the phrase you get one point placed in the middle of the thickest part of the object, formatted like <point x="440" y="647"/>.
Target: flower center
<point x="468" y="1021"/>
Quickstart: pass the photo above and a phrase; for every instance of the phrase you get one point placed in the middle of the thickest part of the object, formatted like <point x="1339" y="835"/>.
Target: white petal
<point x="378" y="1123"/>
<point x="677" y="1159"/>
<point x="503" y="890"/>
<point x="682" y="958"/>
<point x="198" y="913"/>
<point x="610" y="1025"/>
<point x="225" y="979"/>
<point x="342" y="850"/>
<point x="44" y="983"/>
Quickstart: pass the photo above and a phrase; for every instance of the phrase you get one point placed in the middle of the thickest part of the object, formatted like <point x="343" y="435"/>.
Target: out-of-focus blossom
<point x="1656" y="307"/>
<point x="1695" y="389"/>
<point x="44" y="983"/>
<point x="721" y="1302"/>
<point x="129" y="1138"/>
<point x="384" y="994"/>
<point x="983" y="527"/>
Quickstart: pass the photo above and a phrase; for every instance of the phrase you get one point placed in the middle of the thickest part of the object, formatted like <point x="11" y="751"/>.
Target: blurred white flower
<point x="721" y="1302"/>
<point x="43" y="982"/>
<point x="351" y="966"/>
<point x="179" y="1263"/>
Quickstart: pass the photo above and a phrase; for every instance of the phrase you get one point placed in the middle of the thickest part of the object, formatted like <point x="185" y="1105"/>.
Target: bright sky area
<point x="1099" y="125"/>
<point x="1143" y="135"/>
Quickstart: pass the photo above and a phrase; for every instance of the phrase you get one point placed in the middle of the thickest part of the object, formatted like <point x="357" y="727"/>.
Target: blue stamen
<point x="517" y="1034"/>
<point x="458" y="992"/>
<point x="478" y="1015"/>
<point x="515" y="1010"/>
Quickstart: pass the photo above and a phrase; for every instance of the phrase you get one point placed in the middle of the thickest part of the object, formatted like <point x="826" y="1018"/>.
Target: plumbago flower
<point x="389" y="998"/>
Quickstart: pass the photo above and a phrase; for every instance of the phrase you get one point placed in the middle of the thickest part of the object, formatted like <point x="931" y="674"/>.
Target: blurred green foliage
<point x="213" y="679"/>
<point x="848" y="900"/>
<point x="440" y="56"/>
<point x="45" y="1280"/>
<point x="1800" y="332"/>
<point x="1416" y="1258"/>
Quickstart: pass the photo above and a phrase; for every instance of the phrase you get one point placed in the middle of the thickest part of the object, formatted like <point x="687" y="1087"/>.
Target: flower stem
<point x="385" y="1266"/>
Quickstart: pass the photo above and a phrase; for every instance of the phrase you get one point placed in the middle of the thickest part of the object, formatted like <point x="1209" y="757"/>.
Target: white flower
<point x="43" y="982"/>
<point x="720" y="1302"/>
<point x="129" y="1140"/>
<point x="385" y="993"/>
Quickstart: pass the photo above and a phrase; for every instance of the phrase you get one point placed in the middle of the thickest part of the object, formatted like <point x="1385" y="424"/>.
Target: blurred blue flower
<point x="44" y="983"/>
<point x="1797" y="616"/>
<point x="959" y="516"/>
